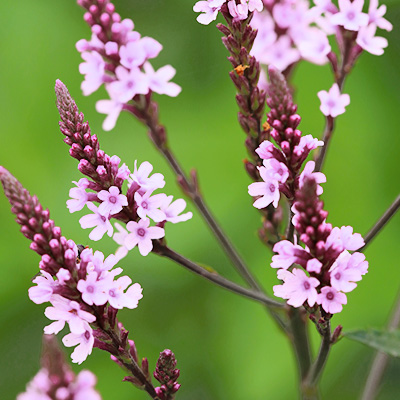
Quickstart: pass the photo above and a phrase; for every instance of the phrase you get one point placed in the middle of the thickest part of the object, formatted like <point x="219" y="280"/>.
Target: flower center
<point x="90" y="289"/>
<point x="330" y="296"/>
<point x="337" y="275"/>
<point x="141" y="232"/>
<point x="351" y="15"/>
<point x="272" y="188"/>
<point x="145" y="205"/>
<point x="103" y="218"/>
<point x="111" y="293"/>
<point x="112" y="199"/>
<point x="306" y="285"/>
<point x="87" y="335"/>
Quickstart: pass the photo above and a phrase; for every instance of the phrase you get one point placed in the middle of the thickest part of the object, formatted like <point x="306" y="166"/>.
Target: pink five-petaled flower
<point x="333" y="103"/>
<point x="116" y="296"/>
<point x="268" y="190"/>
<point x="63" y="311"/>
<point x="173" y="209"/>
<point x="93" y="290"/>
<point x="288" y="254"/>
<point x="93" y="69"/>
<point x="112" y="108"/>
<point x="344" y="239"/>
<point x="238" y="11"/>
<point x="120" y="237"/>
<point x="367" y="40"/>
<point x="297" y="287"/>
<point x="142" y="235"/>
<point x="331" y="300"/>
<point x="141" y="177"/>
<point x="149" y="206"/>
<point x="78" y="195"/>
<point x="100" y="223"/>
<point x="84" y="341"/>
<point x="342" y="277"/>
<point x="159" y="81"/>
<point x="277" y="170"/>
<point x="265" y="150"/>
<point x="113" y="201"/>
<point x="44" y="290"/>
<point x="376" y="14"/>
<point x="209" y="9"/>
<point x="308" y="172"/>
<point x="350" y="15"/>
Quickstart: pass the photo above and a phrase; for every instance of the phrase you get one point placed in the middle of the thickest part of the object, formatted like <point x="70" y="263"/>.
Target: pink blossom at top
<point x="78" y="195"/>
<point x="333" y="103"/>
<point x="343" y="238"/>
<point x="100" y="223"/>
<point x="367" y="40"/>
<point x="288" y="254"/>
<point x="277" y="170"/>
<point x="331" y="300"/>
<point x="318" y="176"/>
<point x="159" y="81"/>
<point x="93" y="290"/>
<point x="94" y="69"/>
<point x="96" y="262"/>
<point x="350" y="15"/>
<point x="268" y="190"/>
<point x="309" y="142"/>
<point x="44" y="290"/>
<point x="209" y="10"/>
<point x="141" y="235"/>
<point x="113" y="201"/>
<point x="132" y="54"/>
<point x="141" y="177"/>
<point x="238" y="11"/>
<point x="149" y="206"/>
<point x="63" y="311"/>
<point x="129" y="83"/>
<point x="120" y="237"/>
<point x="297" y="288"/>
<point x="342" y="277"/>
<point x="172" y="209"/>
<point x="376" y="14"/>
<point x="116" y="296"/>
<point x="84" y="341"/>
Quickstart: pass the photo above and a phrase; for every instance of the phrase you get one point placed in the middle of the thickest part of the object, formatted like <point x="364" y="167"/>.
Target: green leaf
<point x="385" y="341"/>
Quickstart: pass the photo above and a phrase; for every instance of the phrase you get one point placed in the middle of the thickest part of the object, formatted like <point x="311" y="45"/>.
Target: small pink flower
<point x="141" y="235"/>
<point x="255" y="5"/>
<point x="331" y="300"/>
<point x="268" y="190"/>
<point x="276" y="170"/>
<point x="149" y="206"/>
<point x="367" y="40"/>
<point x="84" y="341"/>
<point x="350" y="15"/>
<point x="78" y="195"/>
<point x="92" y="290"/>
<point x="93" y="68"/>
<point x="84" y="386"/>
<point x="120" y="237"/>
<point x="333" y="103"/>
<point x="141" y="177"/>
<point x="100" y="223"/>
<point x="173" y="209"/>
<point x="265" y="149"/>
<point x="288" y="254"/>
<point x="159" y="81"/>
<point x="376" y="14"/>
<point x="314" y="46"/>
<point x="318" y="176"/>
<point x="209" y="9"/>
<point x="116" y="296"/>
<point x="308" y="143"/>
<point x="113" y="201"/>
<point x="112" y="108"/>
<point x="238" y="11"/>
<point x="44" y="290"/>
<point x="132" y="54"/>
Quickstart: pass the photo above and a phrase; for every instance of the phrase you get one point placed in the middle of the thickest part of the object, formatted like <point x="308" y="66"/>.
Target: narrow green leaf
<point x="385" y="341"/>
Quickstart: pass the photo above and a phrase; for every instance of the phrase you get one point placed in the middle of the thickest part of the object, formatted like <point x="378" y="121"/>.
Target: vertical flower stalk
<point x="167" y="375"/>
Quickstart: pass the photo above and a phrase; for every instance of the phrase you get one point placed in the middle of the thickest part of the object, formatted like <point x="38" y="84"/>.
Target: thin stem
<point x="311" y="381"/>
<point x="382" y="222"/>
<point x="329" y="127"/>
<point x="217" y="279"/>
<point x="380" y="361"/>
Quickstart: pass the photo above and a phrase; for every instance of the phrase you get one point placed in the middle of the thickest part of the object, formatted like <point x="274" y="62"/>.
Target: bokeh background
<point x="226" y="346"/>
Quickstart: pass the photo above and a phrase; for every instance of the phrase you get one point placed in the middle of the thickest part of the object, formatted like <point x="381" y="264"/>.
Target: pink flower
<point x="44" y="290"/>
<point x="141" y="177"/>
<point x="268" y="190"/>
<point x="367" y="40"/>
<point x="255" y="5"/>
<point x="173" y="209"/>
<point x="376" y="14"/>
<point x="308" y="172"/>
<point x="331" y="300"/>
<point x="276" y="170"/>
<point x="297" y="288"/>
<point x="84" y="341"/>
<point x="357" y="261"/>
<point x="288" y="254"/>
<point x="93" y="290"/>
<point x="342" y="277"/>
<point x="344" y="239"/>
<point x="314" y="46"/>
<point x="132" y="54"/>
<point x="96" y="263"/>
<point x="116" y="296"/>
<point x="238" y="11"/>
<point x="113" y="201"/>
<point x="266" y="34"/>
<point x="314" y="265"/>
<point x="148" y="206"/>
<point x="209" y="9"/>
<point x="78" y="195"/>
<point x="112" y="108"/>
<point x="100" y="223"/>
<point x="93" y="69"/>
<point x="308" y="143"/>
<point x="120" y="237"/>
<point x="265" y="149"/>
<point x="129" y="83"/>
<point x="83" y="386"/>
<point x="63" y="311"/>
<point x="159" y="81"/>
<point x="350" y="15"/>
<point x="142" y="235"/>
<point x="333" y="103"/>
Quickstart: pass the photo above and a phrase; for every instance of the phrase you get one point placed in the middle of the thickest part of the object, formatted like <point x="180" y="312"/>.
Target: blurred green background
<point x="226" y="346"/>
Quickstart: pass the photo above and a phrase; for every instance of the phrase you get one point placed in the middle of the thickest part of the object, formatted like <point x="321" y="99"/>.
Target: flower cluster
<point x="329" y="270"/>
<point x="280" y="172"/>
<point x="56" y="380"/>
<point x="238" y="10"/>
<point x="167" y="375"/>
<point x="118" y="57"/>
<point x="135" y="208"/>
<point x="82" y="288"/>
